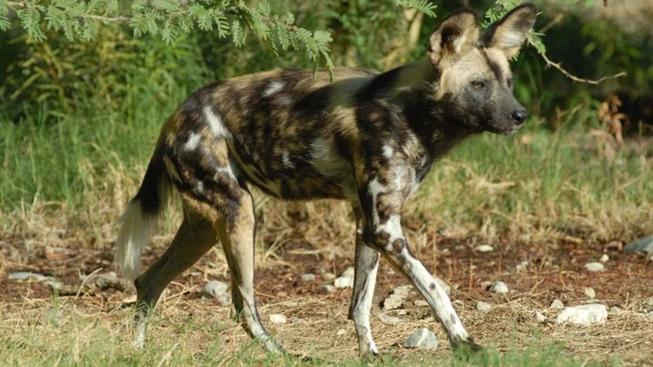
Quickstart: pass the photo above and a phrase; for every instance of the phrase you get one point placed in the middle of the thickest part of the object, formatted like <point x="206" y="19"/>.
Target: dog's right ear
<point x="456" y="35"/>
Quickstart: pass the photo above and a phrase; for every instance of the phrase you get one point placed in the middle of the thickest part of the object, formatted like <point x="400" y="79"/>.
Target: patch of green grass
<point x="67" y="335"/>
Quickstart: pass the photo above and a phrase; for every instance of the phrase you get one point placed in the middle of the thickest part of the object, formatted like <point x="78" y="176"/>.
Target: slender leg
<point x="236" y="232"/>
<point x="366" y="266"/>
<point x="195" y="237"/>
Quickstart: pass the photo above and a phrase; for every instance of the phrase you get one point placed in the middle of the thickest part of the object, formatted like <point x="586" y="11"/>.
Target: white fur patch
<point x="392" y="227"/>
<point x="215" y="123"/>
<point x="192" y="142"/>
<point x="388" y="151"/>
<point x="285" y="159"/>
<point x="375" y="188"/>
<point x="224" y="170"/>
<point x="200" y="187"/>
<point x="273" y="88"/>
<point x="133" y="236"/>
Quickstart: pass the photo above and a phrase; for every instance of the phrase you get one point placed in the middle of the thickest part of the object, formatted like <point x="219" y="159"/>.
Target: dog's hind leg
<point x="366" y="263"/>
<point x="196" y="235"/>
<point x="236" y="232"/>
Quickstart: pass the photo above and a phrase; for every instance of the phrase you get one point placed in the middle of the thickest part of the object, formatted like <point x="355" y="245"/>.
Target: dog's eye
<point x="479" y="84"/>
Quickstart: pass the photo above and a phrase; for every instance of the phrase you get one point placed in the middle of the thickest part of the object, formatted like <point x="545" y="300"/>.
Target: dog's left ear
<point x="509" y="33"/>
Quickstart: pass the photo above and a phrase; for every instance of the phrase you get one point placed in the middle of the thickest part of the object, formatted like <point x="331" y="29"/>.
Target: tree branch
<point x="564" y="72"/>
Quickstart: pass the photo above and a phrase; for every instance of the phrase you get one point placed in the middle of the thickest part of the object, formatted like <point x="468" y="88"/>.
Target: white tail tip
<point x="135" y="229"/>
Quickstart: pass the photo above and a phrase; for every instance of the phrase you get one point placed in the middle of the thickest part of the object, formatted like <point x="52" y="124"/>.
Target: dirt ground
<point x="317" y="320"/>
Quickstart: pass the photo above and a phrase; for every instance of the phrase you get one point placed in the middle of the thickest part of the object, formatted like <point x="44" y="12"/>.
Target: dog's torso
<point x="296" y="134"/>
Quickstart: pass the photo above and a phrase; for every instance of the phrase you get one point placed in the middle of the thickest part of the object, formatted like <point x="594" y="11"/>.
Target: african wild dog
<point x="364" y="137"/>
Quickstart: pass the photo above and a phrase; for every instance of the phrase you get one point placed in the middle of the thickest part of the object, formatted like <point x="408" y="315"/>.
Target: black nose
<point x="519" y="116"/>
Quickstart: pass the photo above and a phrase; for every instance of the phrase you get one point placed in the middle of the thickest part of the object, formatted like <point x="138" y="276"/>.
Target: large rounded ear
<point x="509" y="33"/>
<point x="456" y="35"/>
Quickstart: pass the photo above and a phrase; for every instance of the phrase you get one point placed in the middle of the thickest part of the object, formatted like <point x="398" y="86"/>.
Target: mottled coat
<point x="363" y="137"/>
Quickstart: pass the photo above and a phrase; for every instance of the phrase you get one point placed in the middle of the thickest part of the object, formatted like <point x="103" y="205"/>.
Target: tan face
<point x="475" y="76"/>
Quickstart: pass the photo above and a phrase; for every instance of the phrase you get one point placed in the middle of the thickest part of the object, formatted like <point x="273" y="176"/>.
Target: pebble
<point x="110" y="280"/>
<point x="341" y="332"/>
<point x="396" y="298"/>
<point x="604" y="258"/>
<point x="24" y="276"/>
<point x="421" y="303"/>
<point x="521" y="266"/>
<point x="328" y="276"/>
<point x="308" y="277"/>
<point x="539" y="317"/>
<point x="484" y="248"/>
<point x="218" y="290"/>
<point x="349" y="272"/>
<point x="589" y="292"/>
<point x="277" y="318"/>
<point x="615" y="310"/>
<point x="557" y="304"/>
<point x="594" y="267"/>
<point x="584" y="315"/>
<point x="344" y="282"/>
<point x="422" y="339"/>
<point x="328" y="288"/>
<point x="389" y="319"/>
<point x="643" y="246"/>
<point x="483" y="306"/>
<point x="499" y="288"/>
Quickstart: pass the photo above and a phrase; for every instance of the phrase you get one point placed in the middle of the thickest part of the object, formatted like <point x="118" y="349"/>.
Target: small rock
<point x="396" y="298"/>
<point x="499" y="288"/>
<point x="218" y="290"/>
<point x="589" y="292"/>
<point x="344" y="282"/>
<point x="604" y="258"/>
<point x="583" y="315"/>
<point x="341" y="332"/>
<point x="484" y="248"/>
<point x="483" y="306"/>
<point x="557" y="304"/>
<point x="594" y="267"/>
<point x="349" y="272"/>
<point x="308" y="277"/>
<point x="521" y="266"/>
<point x="422" y="339"/>
<point x="539" y="317"/>
<point x="421" y="303"/>
<point x="277" y="318"/>
<point x="27" y="276"/>
<point x="388" y="319"/>
<point x="643" y="246"/>
<point x="328" y="276"/>
<point x="110" y="280"/>
<point x="328" y="288"/>
<point x="615" y="310"/>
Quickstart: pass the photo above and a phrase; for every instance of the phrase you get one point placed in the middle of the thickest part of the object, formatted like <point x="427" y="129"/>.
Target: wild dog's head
<point x="475" y="79"/>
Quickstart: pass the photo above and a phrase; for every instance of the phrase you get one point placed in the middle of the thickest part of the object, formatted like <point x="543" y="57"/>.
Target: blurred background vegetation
<point x="79" y="113"/>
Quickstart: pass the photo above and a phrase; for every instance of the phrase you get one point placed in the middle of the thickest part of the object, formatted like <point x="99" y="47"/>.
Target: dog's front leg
<point x="384" y="232"/>
<point x="366" y="262"/>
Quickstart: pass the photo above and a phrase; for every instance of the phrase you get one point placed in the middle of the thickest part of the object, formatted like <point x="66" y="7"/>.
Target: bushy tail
<point x="140" y="218"/>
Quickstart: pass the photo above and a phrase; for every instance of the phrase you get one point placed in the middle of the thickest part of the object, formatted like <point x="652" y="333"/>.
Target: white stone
<point x="341" y="332"/>
<point x="218" y="290"/>
<point x="499" y="288"/>
<point x="277" y="318"/>
<point x="422" y="339"/>
<point x="615" y="310"/>
<point x="643" y="246"/>
<point x="344" y="282"/>
<point x="308" y="277"/>
<point x="594" y="267"/>
<point x="421" y="303"/>
<point x="584" y="315"/>
<point x="589" y="292"/>
<point x="557" y="304"/>
<point x="328" y="288"/>
<point x="396" y="298"/>
<point x="349" y="272"/>
<point x="483" y="306"/>
<point x="389" y="319"/>
<point x="604" y="258"/>
<point x="521" y="266"/>
<point x="484" y="248"/>
<point x="539" y="317"/>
